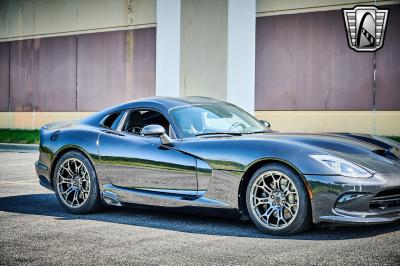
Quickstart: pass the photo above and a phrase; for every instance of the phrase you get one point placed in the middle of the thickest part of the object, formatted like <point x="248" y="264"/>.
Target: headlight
<point x="341" y="166"/>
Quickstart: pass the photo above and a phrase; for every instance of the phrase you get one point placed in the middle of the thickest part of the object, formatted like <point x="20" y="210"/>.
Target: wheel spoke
<point x="289" y="210"/>
<point x="267" y="213"/>
<point x="260" y="201"/>
<point x="64" y="180"/>
<point x="265" y="189"/>
<point x="83" y="193"/>
<point x="68" y="191"/>
<point x="277" y="182"/>
<point x="290" y="192"/>
<point x="280" y="217"/>
<point x="75" y="198"/>
<point x="85" y="177"/>
<point x="290" y="205"/>
<point x="84" y="189"/>
<point x="75" y="167"/>
<point x="68" y="171"/>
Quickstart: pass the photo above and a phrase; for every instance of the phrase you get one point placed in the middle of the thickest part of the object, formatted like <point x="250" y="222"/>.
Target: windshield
<point x="214" y="118"/>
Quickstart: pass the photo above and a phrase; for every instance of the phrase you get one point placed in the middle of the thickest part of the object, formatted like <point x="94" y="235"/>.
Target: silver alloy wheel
<point x="73" y="182"/>
<point x="274" y="200"/>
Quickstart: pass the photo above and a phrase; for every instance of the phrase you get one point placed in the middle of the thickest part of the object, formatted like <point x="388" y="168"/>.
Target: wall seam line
<point x="76" y="73"/>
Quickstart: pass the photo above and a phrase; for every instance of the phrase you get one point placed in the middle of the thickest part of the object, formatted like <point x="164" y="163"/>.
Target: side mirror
<point x="265" y="123"/>
<point x="156" y="131"/>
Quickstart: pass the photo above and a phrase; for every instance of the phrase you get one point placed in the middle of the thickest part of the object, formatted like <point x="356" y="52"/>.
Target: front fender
<point x="235" y="154"/>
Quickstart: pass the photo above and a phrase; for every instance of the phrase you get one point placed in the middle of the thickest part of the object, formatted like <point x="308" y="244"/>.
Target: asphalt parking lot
<point x="35" y="230"/>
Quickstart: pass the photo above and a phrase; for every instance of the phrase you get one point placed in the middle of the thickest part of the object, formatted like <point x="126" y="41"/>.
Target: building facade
<point x="287" y="62"/>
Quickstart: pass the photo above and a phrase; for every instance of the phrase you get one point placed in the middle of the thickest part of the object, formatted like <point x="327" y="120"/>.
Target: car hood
<point x="376" y="154"/>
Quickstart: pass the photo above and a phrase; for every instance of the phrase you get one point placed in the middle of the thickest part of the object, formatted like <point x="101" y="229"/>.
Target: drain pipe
<point x="374" y="93"/>
<point x="374" y="98"/>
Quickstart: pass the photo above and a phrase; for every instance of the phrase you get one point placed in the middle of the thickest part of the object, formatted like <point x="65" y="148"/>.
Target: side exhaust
<point x="111" y="198"/>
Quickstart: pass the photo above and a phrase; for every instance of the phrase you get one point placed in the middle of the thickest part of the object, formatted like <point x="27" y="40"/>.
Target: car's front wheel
<point x="75" y="183"/>
<point x="277" y="200"/>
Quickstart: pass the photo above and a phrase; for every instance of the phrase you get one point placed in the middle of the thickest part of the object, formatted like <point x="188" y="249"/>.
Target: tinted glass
<point x="214" y="118"/>
<point x="137" y="119"/>
<point x="112" y="120"/>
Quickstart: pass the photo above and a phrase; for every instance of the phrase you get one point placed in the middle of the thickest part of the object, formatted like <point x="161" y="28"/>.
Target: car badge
<point x="365" y="26"/>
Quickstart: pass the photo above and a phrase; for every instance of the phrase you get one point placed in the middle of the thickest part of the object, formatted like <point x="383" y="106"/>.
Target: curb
<point x="18" y="147"/>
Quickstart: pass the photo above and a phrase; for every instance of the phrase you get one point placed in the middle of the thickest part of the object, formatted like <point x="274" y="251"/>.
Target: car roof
<point x="163" y="104"/>
<point x="172" y="102"/>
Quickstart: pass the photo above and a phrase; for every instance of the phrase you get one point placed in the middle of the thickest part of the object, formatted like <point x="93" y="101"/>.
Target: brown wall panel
<point x="57" y="74"/>
<point x="23" y="76"/>
<point x="388" y="65"/>
<point x="143" y="63"/>
<point x="112" y="67"/>
<point x="303" y="62"/>
<point x="43" y="74"/>
<point x="101" y="71"/>
<point x="115" y="67"/>
<point x="4" y="75"/>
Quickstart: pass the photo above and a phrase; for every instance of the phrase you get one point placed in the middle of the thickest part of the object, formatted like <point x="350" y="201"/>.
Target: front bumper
<point x="346" y="200"/>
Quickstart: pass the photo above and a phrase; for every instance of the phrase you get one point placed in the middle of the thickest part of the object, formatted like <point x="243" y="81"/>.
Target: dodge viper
<point x="210" y="157"/>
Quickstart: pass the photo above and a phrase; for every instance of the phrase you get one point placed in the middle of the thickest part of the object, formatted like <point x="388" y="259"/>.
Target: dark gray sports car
<point x="211" y="157"/>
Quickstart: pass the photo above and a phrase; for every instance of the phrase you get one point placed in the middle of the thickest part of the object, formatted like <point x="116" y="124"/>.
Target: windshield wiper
<point x="219" y="133"/>
<point x="257" y="132"/>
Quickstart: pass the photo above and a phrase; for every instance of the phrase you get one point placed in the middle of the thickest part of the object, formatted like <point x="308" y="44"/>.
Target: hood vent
<point x="385" y="153"/>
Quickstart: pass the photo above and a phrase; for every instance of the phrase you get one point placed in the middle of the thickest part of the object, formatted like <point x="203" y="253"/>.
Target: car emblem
<point x="365" y="26"/>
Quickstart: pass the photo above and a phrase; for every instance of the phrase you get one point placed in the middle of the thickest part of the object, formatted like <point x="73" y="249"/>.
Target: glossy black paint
<point x="208" y="174"/>
<point x="133" y="161"/>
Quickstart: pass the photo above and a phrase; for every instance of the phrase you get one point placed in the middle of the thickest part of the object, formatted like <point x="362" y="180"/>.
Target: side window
<point x="137" y="119"/>
<point x="111" y="121"/>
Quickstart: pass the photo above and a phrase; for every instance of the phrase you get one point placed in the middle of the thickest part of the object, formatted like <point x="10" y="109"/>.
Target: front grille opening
<point x="386" y="193"/>
<point x="386" y="199"/>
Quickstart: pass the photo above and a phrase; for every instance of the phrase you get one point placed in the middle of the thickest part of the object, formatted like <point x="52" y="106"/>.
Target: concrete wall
<point x="280" y="7"/>
<point x="168" y="48"/>
<point x="204" y="28"/>
<point x="32" y="120"/>
<point x="368" y="122"/>
<point x="24" y="19"/>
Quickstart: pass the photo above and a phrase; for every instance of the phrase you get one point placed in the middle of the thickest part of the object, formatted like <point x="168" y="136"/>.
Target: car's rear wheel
<point x="75" y="183"/>
<point x="277" y="200"/>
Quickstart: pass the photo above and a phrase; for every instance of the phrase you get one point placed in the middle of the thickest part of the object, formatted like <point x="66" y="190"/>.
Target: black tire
<point x="93" y="200"/>
<point x="301" y="221"/>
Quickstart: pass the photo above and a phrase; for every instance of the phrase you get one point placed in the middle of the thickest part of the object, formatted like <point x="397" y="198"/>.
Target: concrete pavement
<point x="35" y="230"/>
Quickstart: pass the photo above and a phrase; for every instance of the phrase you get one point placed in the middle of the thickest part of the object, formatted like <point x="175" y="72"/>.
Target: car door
<point x="133" y="161"/>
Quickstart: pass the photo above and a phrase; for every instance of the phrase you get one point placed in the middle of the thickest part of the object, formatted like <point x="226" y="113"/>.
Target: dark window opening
<point x="112" y="120"/>
<point x="138" y="119"/>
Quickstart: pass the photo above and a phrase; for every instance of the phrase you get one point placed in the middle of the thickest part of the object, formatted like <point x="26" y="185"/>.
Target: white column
<point x="168" y="47"/>
<point x="241" y="53"/>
